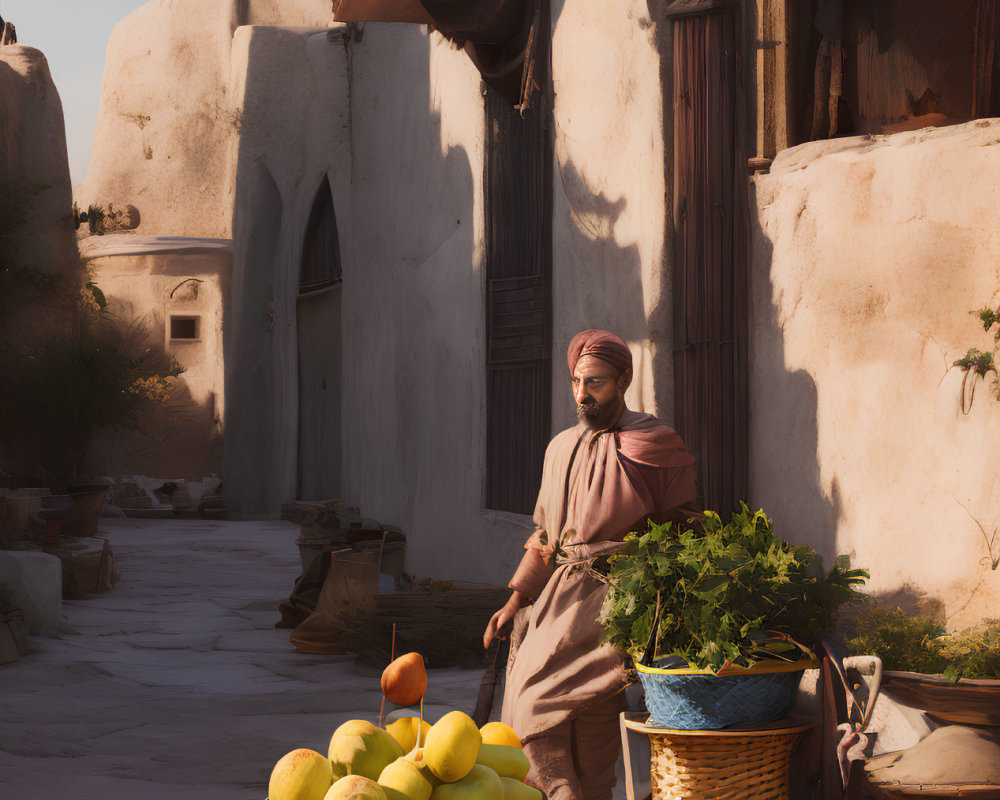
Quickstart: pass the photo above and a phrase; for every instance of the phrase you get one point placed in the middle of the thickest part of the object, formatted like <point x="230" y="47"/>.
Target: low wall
<point x="869" y="254"/>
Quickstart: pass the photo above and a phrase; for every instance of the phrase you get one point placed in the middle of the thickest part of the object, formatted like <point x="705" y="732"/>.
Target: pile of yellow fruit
<point x="409" y="760"/>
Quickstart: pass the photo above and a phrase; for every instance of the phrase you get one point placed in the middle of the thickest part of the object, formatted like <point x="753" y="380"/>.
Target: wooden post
<point x="984" y="57"/>
<point x="771" y="68"/>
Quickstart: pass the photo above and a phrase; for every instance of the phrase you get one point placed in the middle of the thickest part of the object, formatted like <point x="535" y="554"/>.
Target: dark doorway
<point x="320" y="353"/>
<point x="710" y="254"/>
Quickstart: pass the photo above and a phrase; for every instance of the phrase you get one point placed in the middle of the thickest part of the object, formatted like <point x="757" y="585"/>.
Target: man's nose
<point x="580" y="394"/>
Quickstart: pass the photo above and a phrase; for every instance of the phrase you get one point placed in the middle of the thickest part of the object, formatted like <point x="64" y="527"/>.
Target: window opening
<point x="184" y="328"/>
<point x="320" y="267"/>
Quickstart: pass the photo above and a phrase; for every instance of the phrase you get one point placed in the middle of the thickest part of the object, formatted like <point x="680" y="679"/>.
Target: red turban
<point x="599" y="344"/>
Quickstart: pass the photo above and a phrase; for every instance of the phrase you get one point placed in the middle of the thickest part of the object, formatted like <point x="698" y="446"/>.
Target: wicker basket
<point x="692" y="699"/>
<point x="721" y="767"/>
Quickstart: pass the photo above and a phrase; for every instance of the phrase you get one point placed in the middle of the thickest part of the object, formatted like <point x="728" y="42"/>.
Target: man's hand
<point x="503" y="616"/>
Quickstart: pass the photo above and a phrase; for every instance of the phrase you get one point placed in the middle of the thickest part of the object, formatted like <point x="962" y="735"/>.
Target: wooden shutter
<point x="710" y="256"/>
<point x="518" y="208"/>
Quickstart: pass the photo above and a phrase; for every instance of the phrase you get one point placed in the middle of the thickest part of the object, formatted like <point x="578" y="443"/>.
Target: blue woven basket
<point x="691" y="699"/>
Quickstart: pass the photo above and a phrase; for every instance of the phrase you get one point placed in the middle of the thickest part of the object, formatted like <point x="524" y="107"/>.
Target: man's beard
<point x="590" y="413"/>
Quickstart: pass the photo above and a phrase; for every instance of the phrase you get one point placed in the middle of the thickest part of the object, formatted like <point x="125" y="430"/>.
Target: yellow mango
<point x="508" y="762"/>
<point x="300" y="775"/>
<point x="516" y="790"/>
<point x="404" y="731"/>
<point x="417" y="757"/>
<point x="451" y="746"/>
<point x="481" y="783"/>
<point x="405" y="778"/>
<point x="355" y="787"/>
<point x="360" y="748"/>
<point x="498" y="733"/>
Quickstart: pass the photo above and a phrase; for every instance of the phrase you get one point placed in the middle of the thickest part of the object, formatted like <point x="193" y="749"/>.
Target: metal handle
<point x="866" y="666"/>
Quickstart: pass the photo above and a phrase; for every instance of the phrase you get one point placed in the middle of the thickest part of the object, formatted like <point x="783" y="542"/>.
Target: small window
<point x="182" y="328"/>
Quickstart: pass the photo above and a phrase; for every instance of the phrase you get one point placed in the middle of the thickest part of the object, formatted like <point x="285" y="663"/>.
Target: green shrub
<point x="919" y="644"/>
<point x="57" y="393"/>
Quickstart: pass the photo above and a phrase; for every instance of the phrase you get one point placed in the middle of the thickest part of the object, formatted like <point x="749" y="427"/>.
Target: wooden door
<point x="319" y="395"/>
<point x="711" y="302"/>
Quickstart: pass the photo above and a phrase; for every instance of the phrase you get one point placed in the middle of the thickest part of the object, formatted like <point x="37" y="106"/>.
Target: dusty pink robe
<point x="616" y="480"/>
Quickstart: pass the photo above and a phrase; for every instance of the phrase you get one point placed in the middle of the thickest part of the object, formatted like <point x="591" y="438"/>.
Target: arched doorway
<point x="320" y="353"/>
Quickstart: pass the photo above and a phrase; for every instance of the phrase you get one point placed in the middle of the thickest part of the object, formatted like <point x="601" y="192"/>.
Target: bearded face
<point x="589" y="411"/>
<point x="599" y="391"/>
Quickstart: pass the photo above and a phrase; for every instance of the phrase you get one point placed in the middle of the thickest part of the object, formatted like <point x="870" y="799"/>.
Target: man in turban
<point x="601" y="479"/>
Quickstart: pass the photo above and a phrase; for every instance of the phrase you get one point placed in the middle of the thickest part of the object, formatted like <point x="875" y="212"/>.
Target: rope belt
<point x="591" y="557"/>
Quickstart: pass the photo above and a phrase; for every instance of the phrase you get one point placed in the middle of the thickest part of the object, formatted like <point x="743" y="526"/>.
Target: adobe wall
<point x="404" y="160"/>
<point x="167" y="125"/>
<point x="392" y="119"/>
<point x="34" y="180"/>
<point x="869" y="254"/>
<point x="611" y="258"/>
<point x="148" y="281"/>
<point x="33" y="151"/>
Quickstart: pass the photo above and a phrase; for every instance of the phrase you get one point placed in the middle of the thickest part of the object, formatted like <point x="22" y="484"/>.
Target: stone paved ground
<point x="175" y="685"/>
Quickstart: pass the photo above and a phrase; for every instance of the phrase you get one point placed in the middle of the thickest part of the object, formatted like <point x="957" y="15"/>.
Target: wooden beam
<point x="684" y="8"/>
<point x="381" y="11"/>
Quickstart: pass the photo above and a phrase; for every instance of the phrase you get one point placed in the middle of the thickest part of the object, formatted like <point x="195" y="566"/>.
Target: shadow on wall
<point x="784" y="465"/>
<point x="404" y="200"/>
<point x="249" y="347"/>
<point x="661" y="317"/>
<point x="600" y="284"/>
<point x="784" y="474"/>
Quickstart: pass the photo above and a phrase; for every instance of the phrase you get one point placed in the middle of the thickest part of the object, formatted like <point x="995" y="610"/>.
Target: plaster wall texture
<point x="35" y="189"/>
<point x="611" y="261"/>
<point x="33" y="152"/>
<point x="35" y="583"/>
<point x="148" y="280"/>
<point x="415" y="349"/>
<point x="868" y="255"/>
<point x="166" y="126"/>
<point x="289" y="143"/>
<point x="395" y="123"/>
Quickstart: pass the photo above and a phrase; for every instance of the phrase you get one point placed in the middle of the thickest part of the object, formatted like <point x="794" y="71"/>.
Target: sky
<point x="73" y="34"/>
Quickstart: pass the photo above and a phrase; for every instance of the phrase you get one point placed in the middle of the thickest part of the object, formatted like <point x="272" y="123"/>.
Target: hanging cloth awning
<point x="499" y="36"/>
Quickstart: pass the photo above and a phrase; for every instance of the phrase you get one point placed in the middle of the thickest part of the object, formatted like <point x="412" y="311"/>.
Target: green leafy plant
<point x="724" y="593"/>
<point x="920" y="644"/>
<point x="977" y="363"/>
